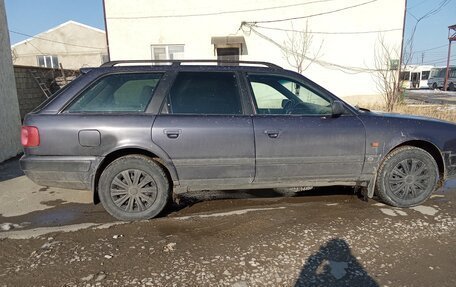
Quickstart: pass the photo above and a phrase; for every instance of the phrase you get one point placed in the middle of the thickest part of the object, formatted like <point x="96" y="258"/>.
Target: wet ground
<point x="436" y="97"/>
<point x="322" y="237"/>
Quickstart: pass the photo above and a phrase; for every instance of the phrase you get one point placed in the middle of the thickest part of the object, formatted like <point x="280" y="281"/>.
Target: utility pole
<point x="422" y="58"/>
<point x="451" y="37"/>
<point x="401" y="57"/>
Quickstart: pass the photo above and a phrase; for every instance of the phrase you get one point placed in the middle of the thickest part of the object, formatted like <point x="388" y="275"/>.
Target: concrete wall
<point x="9" y="110"/>
<point x="75" y="44"/>
<point x="29" y="93"/>
<point x="174" y="22"/>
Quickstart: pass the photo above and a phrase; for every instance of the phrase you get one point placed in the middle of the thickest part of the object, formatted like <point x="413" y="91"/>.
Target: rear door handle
<point x="273" y="134"/>
<point x="172" y="134"/>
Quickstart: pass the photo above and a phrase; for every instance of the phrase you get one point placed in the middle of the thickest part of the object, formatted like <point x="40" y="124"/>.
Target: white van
<point x="437" y="78"/>
<point x="415" y="76"/>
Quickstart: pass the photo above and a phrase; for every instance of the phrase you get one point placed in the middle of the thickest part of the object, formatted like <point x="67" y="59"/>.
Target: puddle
<point x="450" y="185"/>
<point x="426" y="210"/>
<point x="63" y="214"/>
<point x="229" y="213"/>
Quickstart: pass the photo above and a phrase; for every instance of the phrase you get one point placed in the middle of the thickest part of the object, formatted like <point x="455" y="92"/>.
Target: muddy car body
<point x="135" y="134"/>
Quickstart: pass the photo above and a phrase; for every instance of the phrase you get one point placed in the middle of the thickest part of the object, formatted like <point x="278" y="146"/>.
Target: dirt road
<point x="326" y="237"/>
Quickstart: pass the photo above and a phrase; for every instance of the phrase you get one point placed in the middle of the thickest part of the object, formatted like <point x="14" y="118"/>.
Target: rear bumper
<point x="450" y="165"/>
<point x="75" y="172"/>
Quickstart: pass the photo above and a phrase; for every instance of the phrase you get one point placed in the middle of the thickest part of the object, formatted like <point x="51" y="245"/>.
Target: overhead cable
<point x="54" y="41"/>
<point x="219" y="12"/>
<point x="314" y="15"/>
<point x="328" y="33"/>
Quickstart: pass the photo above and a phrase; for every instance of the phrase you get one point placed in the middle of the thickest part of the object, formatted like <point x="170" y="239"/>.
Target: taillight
<point x="30" y="136"/>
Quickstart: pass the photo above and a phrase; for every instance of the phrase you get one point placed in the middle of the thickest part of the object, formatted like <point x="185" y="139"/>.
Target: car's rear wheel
<point x="133" y="187"/>
<point x="434" y="86"/>
<point x="451" y="87"/>
<point x="407" y="177"/>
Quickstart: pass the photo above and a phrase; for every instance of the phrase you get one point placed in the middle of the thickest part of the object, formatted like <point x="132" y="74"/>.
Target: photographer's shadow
<point x="334" y="265"/>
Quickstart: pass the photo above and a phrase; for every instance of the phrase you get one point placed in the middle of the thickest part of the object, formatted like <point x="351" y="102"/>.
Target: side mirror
<point x="285" y="102"/>
<point x="338" y="108"/>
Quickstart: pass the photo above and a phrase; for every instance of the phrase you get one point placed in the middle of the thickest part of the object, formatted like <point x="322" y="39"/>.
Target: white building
<point x="345" y="34"/>
<point x="72" y="44"/>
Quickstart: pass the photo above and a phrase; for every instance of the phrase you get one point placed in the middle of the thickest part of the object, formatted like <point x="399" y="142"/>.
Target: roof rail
<point x="179" y="62"/>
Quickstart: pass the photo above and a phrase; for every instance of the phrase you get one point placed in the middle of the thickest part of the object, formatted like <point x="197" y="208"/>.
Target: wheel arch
<point x="429" y="147"/>
<point x="161" y="159"/>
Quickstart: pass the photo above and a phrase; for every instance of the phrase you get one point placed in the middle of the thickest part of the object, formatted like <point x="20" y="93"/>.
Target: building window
<point x="229" y="48"/>
<point x="48" y="61"/>
<point x="167" y="52"/>
<point x="228" y="54"/>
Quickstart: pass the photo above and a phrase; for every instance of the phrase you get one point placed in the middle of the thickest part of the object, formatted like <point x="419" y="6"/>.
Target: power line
<point x="434" y="48"/>
<point x="37" y="49"/>
<point x="345" y="69"/>
<point x="440" y="60"/>
<point x="220" y="12"/>
<point x="54" y="41"/>
<point x="60" y="53"/>
<point x="431" y="12"/>
<point x="416" y="5"/>
<point x="314" y="15"/>
<point x="328" y="33"/>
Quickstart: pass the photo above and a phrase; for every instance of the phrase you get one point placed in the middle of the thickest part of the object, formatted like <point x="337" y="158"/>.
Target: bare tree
<point x="297" y="47"/>
<point x="13" y="55"/>
<point x="386" y="74"/>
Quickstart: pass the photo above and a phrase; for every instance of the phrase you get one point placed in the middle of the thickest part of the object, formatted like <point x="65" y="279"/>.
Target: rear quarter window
<point x="117" y="93"/>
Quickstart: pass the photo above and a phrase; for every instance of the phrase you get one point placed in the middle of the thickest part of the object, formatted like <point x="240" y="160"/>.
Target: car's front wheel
<point x="133" y="187"/>
<point x="407" y="177"/>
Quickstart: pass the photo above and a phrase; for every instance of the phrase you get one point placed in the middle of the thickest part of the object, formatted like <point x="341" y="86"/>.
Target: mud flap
<point x="371" y="186"/>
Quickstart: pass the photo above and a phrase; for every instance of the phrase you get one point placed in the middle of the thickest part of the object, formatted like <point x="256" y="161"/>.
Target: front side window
<point x="118" y="93"/>
<point x="48" y="61"/>
<point x="279" y="95"/>
<point x="204" y="93"/>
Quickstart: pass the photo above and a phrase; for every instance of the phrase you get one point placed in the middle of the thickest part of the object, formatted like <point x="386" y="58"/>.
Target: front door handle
<point x="272" y="133"/>
<point x="172" y="134"/>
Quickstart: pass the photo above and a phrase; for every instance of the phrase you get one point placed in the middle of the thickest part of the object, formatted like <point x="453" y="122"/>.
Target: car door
<point x="204" y="131"/>
<point x="296" y="136"/>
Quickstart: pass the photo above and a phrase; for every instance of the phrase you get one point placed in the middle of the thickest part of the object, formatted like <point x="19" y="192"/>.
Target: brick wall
<point x="29" y="93"/>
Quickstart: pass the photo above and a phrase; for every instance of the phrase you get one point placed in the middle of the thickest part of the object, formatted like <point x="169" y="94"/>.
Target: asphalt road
<point x="324" y="237"/>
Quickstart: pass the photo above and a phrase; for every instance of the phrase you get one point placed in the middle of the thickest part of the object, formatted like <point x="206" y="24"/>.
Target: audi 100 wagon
<point x="135" y="132"/>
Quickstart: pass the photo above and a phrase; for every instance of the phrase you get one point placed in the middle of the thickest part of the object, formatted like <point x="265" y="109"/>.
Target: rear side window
<point x="207" y="93"/>
<point x="118" y="93"/>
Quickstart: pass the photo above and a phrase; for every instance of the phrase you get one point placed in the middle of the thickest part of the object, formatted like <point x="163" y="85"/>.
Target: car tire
<point x="451" y="87"/>
<point x="407" y="177"/>
<point x="434" y="86"/>
<point x="134" y="187"/>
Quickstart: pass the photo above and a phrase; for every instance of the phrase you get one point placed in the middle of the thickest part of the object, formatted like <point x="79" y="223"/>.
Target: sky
<point x="430" y="44"/>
